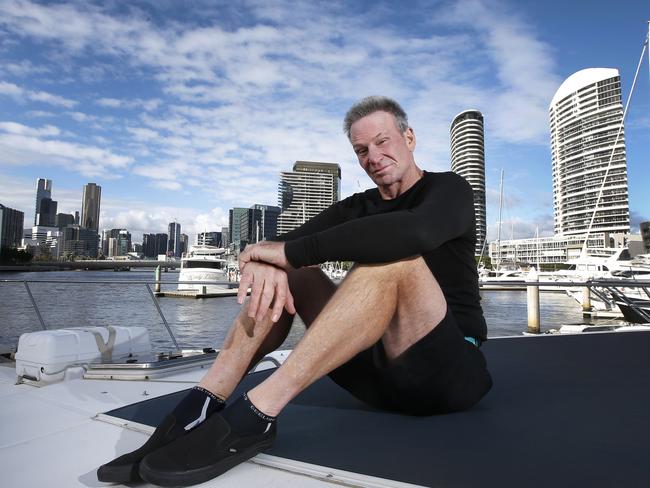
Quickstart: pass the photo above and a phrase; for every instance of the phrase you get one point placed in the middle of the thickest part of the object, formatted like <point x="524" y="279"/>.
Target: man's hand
<point x="266" y="252"/>
<point x="269" y="285"/>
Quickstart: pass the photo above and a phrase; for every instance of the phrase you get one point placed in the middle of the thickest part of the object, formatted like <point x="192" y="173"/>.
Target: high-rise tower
<point x="174" y="242"/>
<point x="306" y="191"/>
<point x="92" y="195"/>
<point x="468" y="160"/>
<point x="43" y="190"/>
<point x="585" y="115"/>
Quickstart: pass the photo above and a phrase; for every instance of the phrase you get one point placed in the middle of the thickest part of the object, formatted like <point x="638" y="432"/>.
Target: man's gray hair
<point x="374" y="104"/>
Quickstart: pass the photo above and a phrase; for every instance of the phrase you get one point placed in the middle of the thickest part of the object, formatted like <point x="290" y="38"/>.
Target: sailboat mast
<point x="499" y="223"/>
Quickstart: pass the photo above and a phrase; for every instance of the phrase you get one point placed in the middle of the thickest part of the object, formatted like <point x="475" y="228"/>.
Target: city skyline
<point x="184" y="114"/>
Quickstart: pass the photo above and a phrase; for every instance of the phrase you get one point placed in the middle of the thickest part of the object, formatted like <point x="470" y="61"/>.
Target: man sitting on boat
<point x="401" y="332"/>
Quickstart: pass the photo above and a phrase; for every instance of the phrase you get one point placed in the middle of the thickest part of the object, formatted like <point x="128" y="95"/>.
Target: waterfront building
<point x="184" y="243"/>
<point x="585" y="115"/>
<point x="11" y="227"/>
<point x="79" y="241"/>
<point x="154" y="244"/>
<point x="235" y="216"/>
<point x="259" y="223"/>
<point x="53" y="243"/>
<point x="225" y="237"/>
<point x="63" y="220"/>
<point x="90" y="204"/>
<point x="210" y="239"/>
<point x="43" y="190"/>
<point x="46" y="212"/>
<point x="468" y="160"/>
<point x="120" y="245"/>
<point x="39" y="233"/>
<point x="552" y="250"/>
<point x="645" y="235"/>
<point x="174" y="242"/>
<point x="306" y="191"/>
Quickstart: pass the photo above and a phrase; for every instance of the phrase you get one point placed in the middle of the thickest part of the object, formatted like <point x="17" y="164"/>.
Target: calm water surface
<point x="196" y="323"/>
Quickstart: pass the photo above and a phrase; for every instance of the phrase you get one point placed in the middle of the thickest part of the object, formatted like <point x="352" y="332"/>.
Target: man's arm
<point x="446" y="212"/>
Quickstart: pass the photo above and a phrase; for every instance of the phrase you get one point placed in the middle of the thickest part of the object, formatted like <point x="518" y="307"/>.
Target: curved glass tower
<point x="468" y="160"/>
<point x="585" y="115"/>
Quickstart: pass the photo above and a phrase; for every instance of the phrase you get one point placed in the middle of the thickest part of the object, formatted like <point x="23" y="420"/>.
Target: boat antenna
<point x="618" y="135"/>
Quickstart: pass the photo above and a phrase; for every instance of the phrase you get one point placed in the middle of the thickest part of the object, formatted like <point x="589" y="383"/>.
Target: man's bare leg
<point x="249" y="341"/>
<point x="398" y="302"/>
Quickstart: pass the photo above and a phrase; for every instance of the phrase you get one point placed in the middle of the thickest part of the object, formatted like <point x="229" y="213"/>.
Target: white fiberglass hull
<point x="201" y="275"/>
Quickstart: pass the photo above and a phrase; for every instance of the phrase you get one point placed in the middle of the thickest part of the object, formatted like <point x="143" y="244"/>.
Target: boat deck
<point x="566" y="410"/>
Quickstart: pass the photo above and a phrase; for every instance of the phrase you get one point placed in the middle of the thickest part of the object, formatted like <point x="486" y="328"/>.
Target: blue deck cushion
<point x="564" y="411"/>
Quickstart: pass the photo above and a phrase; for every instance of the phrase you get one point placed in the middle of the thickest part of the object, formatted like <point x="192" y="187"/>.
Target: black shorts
<point x="441" y="373"/>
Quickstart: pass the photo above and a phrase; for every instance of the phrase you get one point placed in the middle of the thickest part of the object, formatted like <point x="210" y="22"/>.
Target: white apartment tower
<point x="306" y="191"/>
<point x="585" y="115"/>
<point x="468" y="160"/>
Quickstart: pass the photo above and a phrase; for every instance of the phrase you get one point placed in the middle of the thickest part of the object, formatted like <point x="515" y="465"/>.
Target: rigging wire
<point x="618" y="135"/>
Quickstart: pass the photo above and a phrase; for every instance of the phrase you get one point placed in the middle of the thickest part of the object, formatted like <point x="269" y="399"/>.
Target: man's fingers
<point x="244" y="283"/>
<point x="265" y="299"/>
<point x="278" y="304"/>
<point x="289" y="304"/>
<point x="256" y="293"/>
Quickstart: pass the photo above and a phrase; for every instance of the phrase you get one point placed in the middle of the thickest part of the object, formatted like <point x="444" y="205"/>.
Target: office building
<point x="90" y="203"/>
<point x="154" y="244"/>
<point x="185" y="240"/>
<point x="46" y="212"/>
<point x="11" y="227"/>
<point x="174" y="242"/>
<point x="63" y="220"/>
<point x="259" y="223"/>
<point x="306" y="191"/>
<point x="225" y="237"/>
<point x="235" y="216"/>
<point x="79" y="241"/>
<point x="43" y="190"/>
<point x="585" y="116"/>
<point x="468" y="160"/>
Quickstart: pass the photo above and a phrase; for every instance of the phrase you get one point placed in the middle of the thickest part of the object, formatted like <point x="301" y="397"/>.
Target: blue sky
<point x="182" y="110"/>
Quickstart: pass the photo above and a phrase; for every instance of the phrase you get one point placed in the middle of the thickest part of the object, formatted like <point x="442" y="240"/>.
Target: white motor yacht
<point x="201" y="264"/>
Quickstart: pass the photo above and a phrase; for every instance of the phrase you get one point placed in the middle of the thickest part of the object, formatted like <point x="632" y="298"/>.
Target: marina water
<point x="197" y="323"/>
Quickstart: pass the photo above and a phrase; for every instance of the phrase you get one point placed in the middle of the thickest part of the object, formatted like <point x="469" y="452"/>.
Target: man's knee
<point x="395" y="269"/>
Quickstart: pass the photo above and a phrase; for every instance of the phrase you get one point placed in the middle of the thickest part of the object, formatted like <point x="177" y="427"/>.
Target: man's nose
<point x="374" y="156"/>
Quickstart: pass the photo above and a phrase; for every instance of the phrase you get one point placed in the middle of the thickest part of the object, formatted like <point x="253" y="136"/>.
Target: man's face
<point x="383" y="151"/>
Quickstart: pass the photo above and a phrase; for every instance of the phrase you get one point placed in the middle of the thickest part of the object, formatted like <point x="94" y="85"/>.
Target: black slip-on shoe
<point x="124" y="469"/>
<point x="204" y="453"/>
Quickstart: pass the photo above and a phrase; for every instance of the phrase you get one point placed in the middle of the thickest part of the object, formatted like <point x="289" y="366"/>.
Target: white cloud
<point x="241" y="103"/>
<point x="20" y="129"/>
<point x="22" y="94"/>
<point x="23" y="145"/>
<point x="110" y="102"/>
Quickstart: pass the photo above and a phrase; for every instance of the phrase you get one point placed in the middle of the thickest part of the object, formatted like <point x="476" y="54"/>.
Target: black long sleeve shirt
<point x="434" y="218"/>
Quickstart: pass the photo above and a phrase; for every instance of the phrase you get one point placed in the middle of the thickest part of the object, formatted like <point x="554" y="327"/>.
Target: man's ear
<point x="409" y="134"/>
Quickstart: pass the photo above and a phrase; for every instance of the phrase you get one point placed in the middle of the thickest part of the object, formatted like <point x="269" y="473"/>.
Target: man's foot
<point x="217" y="445"/>
<point x="193" y="409"/>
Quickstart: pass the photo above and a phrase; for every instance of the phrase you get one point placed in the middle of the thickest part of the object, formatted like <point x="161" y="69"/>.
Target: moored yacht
<point x="201" y="264"/>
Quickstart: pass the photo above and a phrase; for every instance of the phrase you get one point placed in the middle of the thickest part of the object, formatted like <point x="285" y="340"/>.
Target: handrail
<point x="626" y="283"/>
<point x="568" y="284"/>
